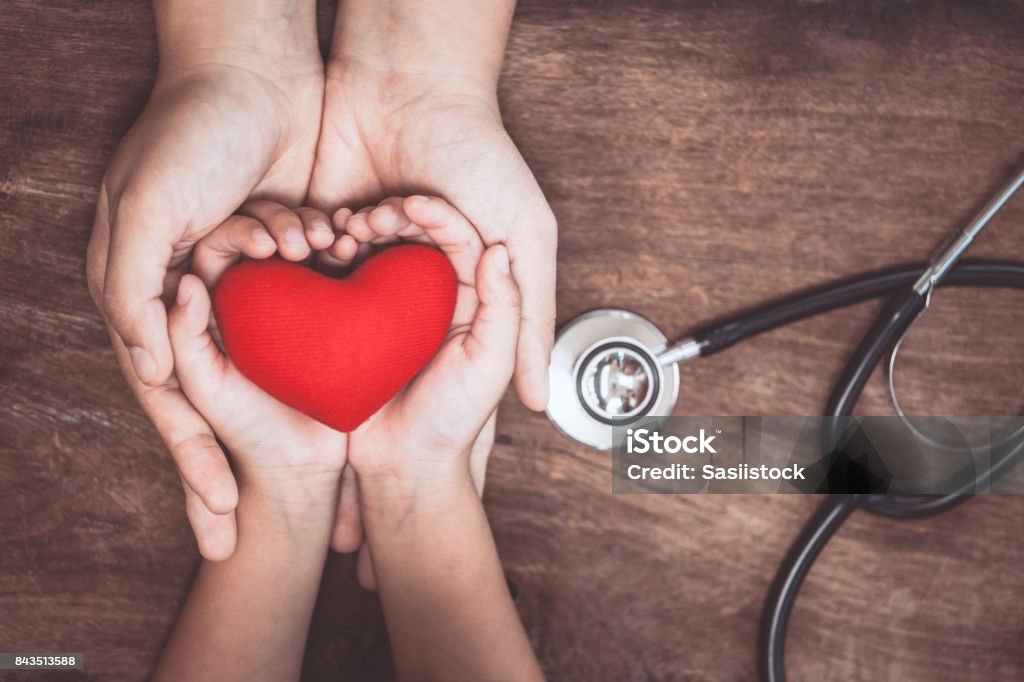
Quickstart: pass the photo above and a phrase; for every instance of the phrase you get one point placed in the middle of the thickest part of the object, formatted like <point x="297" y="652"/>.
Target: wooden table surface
<point x="700" y="157"/>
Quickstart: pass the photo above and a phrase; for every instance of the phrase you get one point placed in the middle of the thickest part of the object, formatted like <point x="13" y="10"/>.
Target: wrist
<point x="265" y="36"/>
<point x="398" y="488"/>
<point x="394" y="92"/>
<point x="453" y="45"/>
<point x="295" y="506"/>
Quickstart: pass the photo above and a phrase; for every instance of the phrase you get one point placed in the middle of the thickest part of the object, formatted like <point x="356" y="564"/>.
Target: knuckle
<point x="285" y="218"/>
<point x="94" y="280"/>
<point x="113" y="302"/>
<point x="187" y="448"/>
<point x="307" y="215"/>
<point x="96" y="270"/>
<point x="153" y="399"/>
<point x="232" y="224"/>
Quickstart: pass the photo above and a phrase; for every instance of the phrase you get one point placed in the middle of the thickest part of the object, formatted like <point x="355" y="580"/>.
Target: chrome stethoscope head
<point x="606" y="372"/>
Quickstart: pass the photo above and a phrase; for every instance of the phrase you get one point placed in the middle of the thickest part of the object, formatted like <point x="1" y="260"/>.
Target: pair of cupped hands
<point x="224" y="130"/>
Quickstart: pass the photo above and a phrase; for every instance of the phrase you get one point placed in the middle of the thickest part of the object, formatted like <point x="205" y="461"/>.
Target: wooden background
<point x="700" y="157"/>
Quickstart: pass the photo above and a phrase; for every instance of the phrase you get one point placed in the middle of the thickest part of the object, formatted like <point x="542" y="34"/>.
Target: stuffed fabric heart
<point x="336" y="349"/>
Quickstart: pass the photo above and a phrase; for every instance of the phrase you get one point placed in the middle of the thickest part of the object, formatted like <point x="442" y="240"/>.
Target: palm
<point x="428" y="139"/>
<point x="413" y="412"/>
<point x="272" y="436"/>
<point x="441" y="147"/>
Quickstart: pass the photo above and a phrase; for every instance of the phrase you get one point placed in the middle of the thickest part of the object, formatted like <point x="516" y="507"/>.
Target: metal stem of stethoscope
<point x="947" y="257"/>
<point x="944" y="259"/>
<point x="680" y="351"/>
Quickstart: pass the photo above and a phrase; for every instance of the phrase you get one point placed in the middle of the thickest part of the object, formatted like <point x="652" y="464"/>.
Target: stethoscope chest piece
<point x="605" y="373"/>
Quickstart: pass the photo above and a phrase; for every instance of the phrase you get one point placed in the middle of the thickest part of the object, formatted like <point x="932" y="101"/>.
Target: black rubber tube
<point x="819" y="529"/>
<point x="846" y="292"/>
<point x="886" y="330"/>
<point x="892" y="322"/>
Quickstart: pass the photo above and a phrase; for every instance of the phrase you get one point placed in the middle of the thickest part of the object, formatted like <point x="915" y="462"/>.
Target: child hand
<point x="410" y="441"/>
<point x="273" y="445"/>
<point x="476" y="369"/>
<point x="259" y="230"/>
<point x="428" y="544"/>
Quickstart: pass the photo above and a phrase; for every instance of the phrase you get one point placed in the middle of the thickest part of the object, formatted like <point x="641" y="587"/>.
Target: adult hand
<point x="232" y="115"/>
<point x="393" y="134"/>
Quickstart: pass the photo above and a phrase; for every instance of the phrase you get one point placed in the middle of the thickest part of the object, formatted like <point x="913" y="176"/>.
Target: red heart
<point x="336" y="349"/>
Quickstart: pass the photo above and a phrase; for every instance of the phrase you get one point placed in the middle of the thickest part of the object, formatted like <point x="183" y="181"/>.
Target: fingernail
<point x="294" y="236"/>
<point x="143" y="364"/>
<point x="417" y="199"/>
<point x="340" y="217"/>
<point x="184" y="295"/>
<point x="263" y="237"/>
<point x="320" y="225"/>
<point x="502" y="260"/>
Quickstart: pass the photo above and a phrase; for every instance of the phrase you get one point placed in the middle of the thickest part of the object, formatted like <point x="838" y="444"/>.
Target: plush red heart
<point x="336" y="349"/>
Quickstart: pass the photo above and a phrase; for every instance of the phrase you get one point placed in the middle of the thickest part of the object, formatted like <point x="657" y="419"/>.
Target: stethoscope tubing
<point x="889" y="326"/>
<point x="795" y="566"/>
<point x="720" y="335"/>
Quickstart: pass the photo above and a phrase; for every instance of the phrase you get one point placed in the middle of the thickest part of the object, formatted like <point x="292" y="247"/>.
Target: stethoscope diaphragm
<point x="605" y="373"/>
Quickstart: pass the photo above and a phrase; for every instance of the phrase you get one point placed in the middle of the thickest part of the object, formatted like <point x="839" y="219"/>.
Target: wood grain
<point x="700" y="157"/>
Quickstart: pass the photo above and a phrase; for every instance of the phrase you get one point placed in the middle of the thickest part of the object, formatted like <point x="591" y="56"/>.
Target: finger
<point x="329" y="265"/>
<point x="200" y="364"/>
<point x="319" y="233"/>
<point x="465" y="308"/>
<point x="450" y="230"/>
<point x="339" y="218"/>
<point x="347" y="535"/>
<point x="491" y="342"/>
<point x="283" y="224"/>
<point x="235" y="408"/>
<point x="237" y="411"/>
<point x="364" y="569"/>
<point x="480" y="453"/>
<point x="387" y="219"/>
<point x="140" y="252"/>
<point x="211" y="493"/>
<point x="237" y="236"/>
<point x="358" y="228"/>
<point x="378" y="225"/>
<point x="202" y="465"/>
<point x="197" y="456"/>
<point x="192" y="444"/>
<point x="533" y="264"/>
<point x="344" y="249"/>
<point x="216" y="534"/>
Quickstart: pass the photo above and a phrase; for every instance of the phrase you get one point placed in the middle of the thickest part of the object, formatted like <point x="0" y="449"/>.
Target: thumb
<point x="243" y="416"/>
<point x="199" y="361"/>
<point x="137" y="263"/>
<point x="491" y="342"/>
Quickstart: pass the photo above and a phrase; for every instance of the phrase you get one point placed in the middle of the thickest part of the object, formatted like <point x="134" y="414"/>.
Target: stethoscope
<point x="613" y="368"/>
